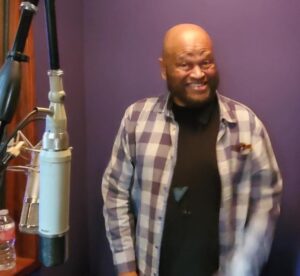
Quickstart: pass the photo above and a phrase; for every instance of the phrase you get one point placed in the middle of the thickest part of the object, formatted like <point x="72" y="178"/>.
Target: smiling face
<point x="188" y="66"/>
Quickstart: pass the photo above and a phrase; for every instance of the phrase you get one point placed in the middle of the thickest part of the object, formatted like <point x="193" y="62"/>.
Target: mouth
<point x="201" y="87"/>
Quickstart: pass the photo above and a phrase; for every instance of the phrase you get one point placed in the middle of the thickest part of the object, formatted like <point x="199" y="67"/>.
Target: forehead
<point x="192" y="52"/>
<point x="191" y="44"/>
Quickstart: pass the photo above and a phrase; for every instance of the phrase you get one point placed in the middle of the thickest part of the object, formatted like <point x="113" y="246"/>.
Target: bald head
<point x="181" y="34"/>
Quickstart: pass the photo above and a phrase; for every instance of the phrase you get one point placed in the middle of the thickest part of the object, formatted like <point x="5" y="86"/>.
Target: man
<point x="192" y="187"/>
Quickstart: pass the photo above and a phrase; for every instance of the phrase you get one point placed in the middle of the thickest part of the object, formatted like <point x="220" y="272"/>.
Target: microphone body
<point x="54" y="206"/>
<point x="55" y="165"/>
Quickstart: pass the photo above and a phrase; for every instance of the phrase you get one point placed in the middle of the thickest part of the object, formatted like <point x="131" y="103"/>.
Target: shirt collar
<point x="227" y="109"/>
<point x="164" y="105"/>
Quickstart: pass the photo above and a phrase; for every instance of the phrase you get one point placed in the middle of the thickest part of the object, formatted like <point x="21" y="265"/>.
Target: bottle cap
<point x="3" y="212"/>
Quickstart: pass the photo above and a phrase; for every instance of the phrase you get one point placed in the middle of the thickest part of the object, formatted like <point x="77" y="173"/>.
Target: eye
<point x="184" y="66"/>
<point x="207" y="63"/>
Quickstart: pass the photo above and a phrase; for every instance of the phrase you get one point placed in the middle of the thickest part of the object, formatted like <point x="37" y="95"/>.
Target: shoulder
<point x="237" y="112"/>
<point x="145" y="103"/>
<point x="230" y="105"/>
<point x="144" y="106"/>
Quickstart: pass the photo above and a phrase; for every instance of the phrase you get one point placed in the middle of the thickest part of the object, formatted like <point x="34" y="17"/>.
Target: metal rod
<point x="52" y="34"/>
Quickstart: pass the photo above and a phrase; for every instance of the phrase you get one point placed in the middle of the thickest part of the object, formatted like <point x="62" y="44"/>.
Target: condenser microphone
<point x="55" y="161"/>
<point x="55" y="166"/>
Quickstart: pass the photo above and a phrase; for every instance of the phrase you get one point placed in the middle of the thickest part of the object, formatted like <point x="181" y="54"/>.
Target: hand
<point x="131" y="273"/>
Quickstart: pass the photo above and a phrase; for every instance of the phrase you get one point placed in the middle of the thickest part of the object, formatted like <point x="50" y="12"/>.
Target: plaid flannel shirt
<point x="137" y="179"/>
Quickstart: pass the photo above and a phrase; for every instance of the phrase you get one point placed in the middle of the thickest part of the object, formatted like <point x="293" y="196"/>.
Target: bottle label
<point x="7" y="232"/>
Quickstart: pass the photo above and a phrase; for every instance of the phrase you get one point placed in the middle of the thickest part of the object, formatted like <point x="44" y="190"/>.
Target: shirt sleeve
<point x="119" y="220"/>
<point x="264" y="207"/>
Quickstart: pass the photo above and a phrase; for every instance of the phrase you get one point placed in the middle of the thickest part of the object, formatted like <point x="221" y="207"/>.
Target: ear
<point x="162" y="68"/>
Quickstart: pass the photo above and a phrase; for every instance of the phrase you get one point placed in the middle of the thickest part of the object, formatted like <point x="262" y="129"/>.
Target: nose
<point x="196" y="72"/>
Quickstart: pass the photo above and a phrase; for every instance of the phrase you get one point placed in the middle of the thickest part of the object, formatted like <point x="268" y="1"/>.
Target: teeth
<point x="196" y="84"/>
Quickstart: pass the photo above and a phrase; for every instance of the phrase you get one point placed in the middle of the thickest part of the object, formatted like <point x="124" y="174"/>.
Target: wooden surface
<point x="24" y="266"/>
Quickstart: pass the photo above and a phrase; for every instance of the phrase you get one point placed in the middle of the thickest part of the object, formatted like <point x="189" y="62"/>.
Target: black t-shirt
<point x="190" y="244"/>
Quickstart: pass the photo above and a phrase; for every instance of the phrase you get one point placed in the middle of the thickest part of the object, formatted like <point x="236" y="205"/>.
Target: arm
<point x="116" y="185"/>
<point x="266" y="184"/>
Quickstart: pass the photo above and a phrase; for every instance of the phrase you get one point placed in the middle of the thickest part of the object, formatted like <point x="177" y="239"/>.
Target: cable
<point x="28" y="119"/>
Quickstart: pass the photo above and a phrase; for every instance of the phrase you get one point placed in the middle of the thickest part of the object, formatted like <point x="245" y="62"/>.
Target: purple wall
<point x="109" y="52"/>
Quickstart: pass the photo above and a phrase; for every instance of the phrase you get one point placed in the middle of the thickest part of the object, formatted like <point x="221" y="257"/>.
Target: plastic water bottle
<point x="7" y="241"/>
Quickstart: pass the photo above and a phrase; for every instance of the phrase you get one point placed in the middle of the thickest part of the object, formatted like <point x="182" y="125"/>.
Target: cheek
<point x="212" y="74"/>
<point x="176" y="79"/>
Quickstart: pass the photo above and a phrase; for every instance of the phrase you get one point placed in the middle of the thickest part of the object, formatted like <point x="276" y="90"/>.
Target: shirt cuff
<point x="125" y="261"/>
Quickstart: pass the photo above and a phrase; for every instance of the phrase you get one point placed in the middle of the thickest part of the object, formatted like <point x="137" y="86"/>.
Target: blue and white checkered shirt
<point x="137" y="179"/>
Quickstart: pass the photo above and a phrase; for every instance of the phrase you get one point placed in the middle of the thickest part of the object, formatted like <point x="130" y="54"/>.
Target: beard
<point x="182" y="92"/>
